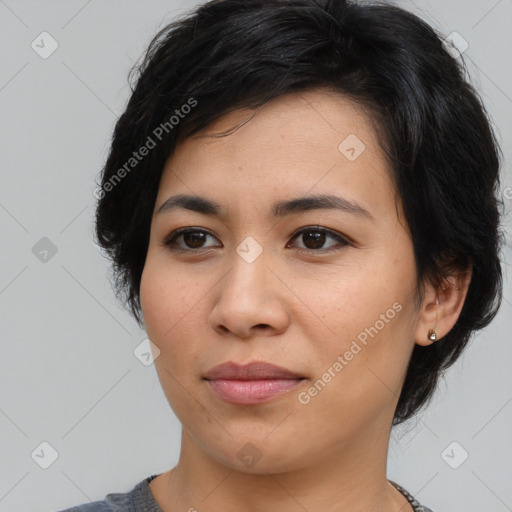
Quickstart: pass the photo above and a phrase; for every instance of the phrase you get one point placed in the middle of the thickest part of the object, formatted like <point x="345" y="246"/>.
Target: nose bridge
<point x="248" y="279"/>
<point x="249" y="295"/>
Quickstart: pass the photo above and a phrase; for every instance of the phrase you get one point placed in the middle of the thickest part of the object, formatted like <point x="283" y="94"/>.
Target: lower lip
<point x="248" y="392"/>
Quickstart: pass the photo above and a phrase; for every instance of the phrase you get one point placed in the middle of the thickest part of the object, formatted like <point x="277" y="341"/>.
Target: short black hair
<point x="435" y="130"/>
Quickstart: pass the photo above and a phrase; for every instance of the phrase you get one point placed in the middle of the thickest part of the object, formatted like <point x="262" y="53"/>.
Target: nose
<point x="250" y="300"/>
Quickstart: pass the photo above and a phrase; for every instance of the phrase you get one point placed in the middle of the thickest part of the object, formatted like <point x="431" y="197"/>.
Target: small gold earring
<point x="432" y="336"/>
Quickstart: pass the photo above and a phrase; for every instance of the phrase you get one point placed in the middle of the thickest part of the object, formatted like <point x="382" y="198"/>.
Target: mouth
<point x="251" y="384"/>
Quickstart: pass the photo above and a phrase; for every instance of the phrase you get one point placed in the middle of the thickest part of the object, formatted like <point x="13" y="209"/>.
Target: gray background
<point x="68" y="374"/>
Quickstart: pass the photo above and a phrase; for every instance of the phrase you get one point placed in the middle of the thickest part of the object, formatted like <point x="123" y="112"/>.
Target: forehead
<point x="318" y="141"/>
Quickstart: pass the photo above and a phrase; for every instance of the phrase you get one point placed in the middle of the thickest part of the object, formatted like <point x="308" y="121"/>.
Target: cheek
<point x="152" y="299"/>
<point x="170" y="318"/>
<point x="173" y="306"/>
<point x="163" y="301"/>
<point x="370" y="312"/>
<point x="344" y="303"/>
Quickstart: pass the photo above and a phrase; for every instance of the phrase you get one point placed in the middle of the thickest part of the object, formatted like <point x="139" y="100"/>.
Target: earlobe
<point x="432" y="335"/>
<point x="441" y="308"/>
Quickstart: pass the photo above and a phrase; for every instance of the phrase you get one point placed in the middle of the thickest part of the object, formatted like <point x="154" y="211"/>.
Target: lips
<point x="253" y="371"/>
<point x="251" y="384"/>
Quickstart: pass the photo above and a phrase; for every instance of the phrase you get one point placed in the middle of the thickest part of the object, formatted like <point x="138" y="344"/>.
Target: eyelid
<point x="178" y="232"/>
<point x="342" y="239"/>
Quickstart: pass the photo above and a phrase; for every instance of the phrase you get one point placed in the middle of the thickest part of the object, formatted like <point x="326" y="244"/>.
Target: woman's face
<point x="325" y="292"/>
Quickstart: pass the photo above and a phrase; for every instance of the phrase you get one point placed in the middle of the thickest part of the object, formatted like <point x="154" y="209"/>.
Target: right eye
<point x="193" y="238"/>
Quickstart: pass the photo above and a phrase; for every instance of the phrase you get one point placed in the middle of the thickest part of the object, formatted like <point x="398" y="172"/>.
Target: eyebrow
<point x="280" y="209"/>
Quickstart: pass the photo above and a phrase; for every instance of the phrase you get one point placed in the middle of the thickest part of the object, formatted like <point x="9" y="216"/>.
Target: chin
<point x="259" y="455"/>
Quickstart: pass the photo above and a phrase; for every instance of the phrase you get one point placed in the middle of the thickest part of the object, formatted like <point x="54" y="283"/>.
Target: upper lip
<point x="257" y="370"/>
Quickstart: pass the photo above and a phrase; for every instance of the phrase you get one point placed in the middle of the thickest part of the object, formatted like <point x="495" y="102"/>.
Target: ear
<point x="441" y="316"/>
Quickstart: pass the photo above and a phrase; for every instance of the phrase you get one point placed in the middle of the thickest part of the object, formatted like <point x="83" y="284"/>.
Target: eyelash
<point x="170" y="241"/>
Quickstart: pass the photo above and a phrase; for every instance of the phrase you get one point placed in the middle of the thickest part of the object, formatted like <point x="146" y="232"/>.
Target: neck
<point x="351" y="478"/>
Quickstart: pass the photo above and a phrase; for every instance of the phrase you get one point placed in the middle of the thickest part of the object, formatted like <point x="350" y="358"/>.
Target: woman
<point x="300" y="206"/>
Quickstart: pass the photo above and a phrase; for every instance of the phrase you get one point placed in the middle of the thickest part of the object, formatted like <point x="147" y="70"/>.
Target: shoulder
<point x="97" y="506"/>
<point x="139" y="498"/>
<point x="113" y="502"/>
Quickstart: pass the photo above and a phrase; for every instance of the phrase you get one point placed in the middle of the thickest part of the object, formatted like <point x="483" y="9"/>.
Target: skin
<point x="299" y="310"/>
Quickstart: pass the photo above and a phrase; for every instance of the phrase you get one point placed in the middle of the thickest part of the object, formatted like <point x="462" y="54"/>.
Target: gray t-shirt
<point x="140" y="499"/>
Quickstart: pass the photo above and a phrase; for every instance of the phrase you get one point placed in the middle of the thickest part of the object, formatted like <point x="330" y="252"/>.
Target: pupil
<point x="316" y="237"/>
<point x="194" y="239"/>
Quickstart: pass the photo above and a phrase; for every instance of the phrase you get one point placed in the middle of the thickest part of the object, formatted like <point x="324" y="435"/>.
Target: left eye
<point x="312" y="237"/>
